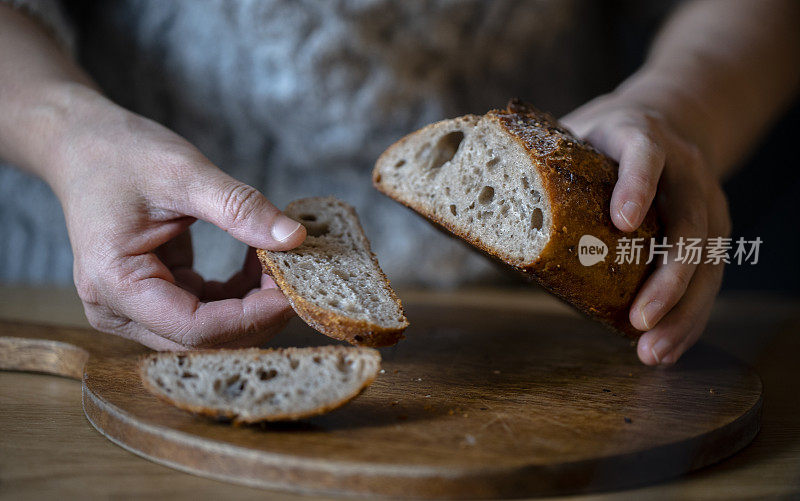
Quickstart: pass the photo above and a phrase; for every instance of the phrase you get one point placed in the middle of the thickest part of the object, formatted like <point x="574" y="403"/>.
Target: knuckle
<point x="643" y="140"/>
<point x="692" y="222"/>
<point x="186" y="333"/>
<point x="239" y="201"/>
<point x="640" y="181"/>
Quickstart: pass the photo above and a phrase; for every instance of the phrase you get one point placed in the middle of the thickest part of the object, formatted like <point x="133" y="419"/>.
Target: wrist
<point x="38" y="127"/>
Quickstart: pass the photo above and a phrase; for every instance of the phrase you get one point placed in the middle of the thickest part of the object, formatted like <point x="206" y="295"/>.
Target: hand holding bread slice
<point x="333" y="280"/>
<point x="524" y="190"/>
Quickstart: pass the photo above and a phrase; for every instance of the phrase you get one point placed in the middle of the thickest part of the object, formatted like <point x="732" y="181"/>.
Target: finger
<point x="257" y="339"/>
<point x="153" y="341"/>
<point x="640" y="165"/>
<point x="239" y="284"/>
<point x="267" y="282"/>
<point x="641" y="161"/>
<point x="682" y="326"/>
<point x="165" y="309"/>
<point x="241" y="210"/>
<point x="685" y="215"/>
<point x="103" y="319"/>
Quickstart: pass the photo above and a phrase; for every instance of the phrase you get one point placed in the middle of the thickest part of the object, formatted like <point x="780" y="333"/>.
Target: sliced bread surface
<point x="524" y="190"/>
<point x="333" y="280"/>
<point x="252" y="385"/>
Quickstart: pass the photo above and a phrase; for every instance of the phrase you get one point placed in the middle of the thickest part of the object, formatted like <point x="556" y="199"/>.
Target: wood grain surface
<point x="484" y="399"/>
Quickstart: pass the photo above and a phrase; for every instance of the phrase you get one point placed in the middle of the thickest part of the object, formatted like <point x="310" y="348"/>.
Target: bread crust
<point x="235" y="418"/>
<point x="578" y="181"/>
<point x="331" y="323"/>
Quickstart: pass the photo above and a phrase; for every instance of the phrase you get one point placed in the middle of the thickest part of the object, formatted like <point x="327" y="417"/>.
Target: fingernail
<point x="650" y="312"/>
<point x="284" y="228"/>
<point x="661" y="349"/>
<point x="630" y="212"/>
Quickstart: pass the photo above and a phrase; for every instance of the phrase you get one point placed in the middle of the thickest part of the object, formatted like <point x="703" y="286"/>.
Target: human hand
<point x="130" y="189"/>
<point x="675" y="302"/>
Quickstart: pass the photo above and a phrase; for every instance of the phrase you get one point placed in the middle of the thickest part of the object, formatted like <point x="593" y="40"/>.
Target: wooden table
<point x="49" y="450"/>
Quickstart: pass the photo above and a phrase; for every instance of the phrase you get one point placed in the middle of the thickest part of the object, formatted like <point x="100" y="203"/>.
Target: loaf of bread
<point x="333" y="280"/>
<point x="523" y="189"/>
<point x="252" y="385"/>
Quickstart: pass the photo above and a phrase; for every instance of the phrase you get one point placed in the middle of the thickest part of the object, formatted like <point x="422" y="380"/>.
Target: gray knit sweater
<point x="298" y="98"/>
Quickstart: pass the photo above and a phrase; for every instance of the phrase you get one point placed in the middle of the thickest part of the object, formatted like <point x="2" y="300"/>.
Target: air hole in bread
<point x="491" y="163"/>
<point x="317" y="229"/>
<point x="186" y="375"/>
<point x="308" y="217"/>
<point x="486" y="195"/>
<point x="400" y="163"/>
<point x="293" y="363"/>
<point x="445" y="149"/>
<point x="342" y="364"/>
<point x="235" y="387"/>
<point x="453" y="210"/>
<point x="525" y="183"/>
<point x="344" y="275"/>
<point x="537" y="219"/>
<point x="266" y="375"/>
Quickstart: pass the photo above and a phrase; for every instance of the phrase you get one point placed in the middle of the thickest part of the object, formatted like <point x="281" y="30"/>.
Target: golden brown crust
<point x="579" y="181"/>
<point x="328" y="322"/>
<point x="235" y="418"/>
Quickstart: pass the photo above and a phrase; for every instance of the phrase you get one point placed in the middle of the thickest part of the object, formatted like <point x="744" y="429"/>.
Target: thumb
<point x="242" y="211"/>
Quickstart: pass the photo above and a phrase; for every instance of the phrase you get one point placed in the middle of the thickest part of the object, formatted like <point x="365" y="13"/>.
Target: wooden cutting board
<point x="480" y="401"/>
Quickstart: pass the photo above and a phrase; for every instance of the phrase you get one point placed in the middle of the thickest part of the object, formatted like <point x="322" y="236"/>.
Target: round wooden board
<point x="479" y="402"/>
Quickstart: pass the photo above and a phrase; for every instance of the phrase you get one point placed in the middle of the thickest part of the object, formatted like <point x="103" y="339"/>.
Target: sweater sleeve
<point x="51" y="15"/>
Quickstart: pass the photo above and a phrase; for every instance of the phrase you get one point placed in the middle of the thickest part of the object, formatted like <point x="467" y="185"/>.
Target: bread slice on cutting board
<point x="523" y="189"/>
<point x="333" y="280"/>
<point x="253" y="385"/>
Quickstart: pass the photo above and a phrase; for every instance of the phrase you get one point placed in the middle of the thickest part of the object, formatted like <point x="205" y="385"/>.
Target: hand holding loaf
<point x="523" y="190"/>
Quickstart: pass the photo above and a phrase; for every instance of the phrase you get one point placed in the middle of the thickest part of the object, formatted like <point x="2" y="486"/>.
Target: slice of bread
<point x="333" y="280"/>
<point x="252" y="385"/>
<point x="524" y="190"/>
